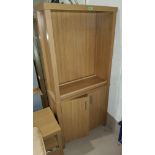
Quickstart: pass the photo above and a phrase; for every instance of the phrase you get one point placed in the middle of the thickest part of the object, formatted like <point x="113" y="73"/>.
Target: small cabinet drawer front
<point x="75" y="116"/>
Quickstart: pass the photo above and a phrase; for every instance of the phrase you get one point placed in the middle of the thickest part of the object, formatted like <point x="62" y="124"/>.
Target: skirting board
<point x="113" y="125"/>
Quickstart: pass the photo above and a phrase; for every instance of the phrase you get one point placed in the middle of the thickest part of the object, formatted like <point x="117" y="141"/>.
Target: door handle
<point x="86" y="105"/>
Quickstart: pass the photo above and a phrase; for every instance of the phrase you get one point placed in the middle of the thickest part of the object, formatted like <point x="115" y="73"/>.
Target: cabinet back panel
<point x="74" y="35"/>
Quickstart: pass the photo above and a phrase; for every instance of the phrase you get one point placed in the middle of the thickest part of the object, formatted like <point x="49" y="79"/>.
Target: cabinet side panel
<point x="104" y="44"/>
<point x="45" y="55"/>
<point x="74" y="35"/>
<point x="52" y="56"/>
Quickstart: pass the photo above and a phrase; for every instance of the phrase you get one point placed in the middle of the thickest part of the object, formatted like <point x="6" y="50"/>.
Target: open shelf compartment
<point x="80" y="86"/>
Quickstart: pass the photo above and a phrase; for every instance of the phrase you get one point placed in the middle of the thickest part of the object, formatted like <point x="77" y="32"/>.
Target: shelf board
<point x="70" y="89"/>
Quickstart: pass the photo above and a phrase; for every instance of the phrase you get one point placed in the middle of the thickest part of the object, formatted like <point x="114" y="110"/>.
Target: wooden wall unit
<point x="77" y="46"/>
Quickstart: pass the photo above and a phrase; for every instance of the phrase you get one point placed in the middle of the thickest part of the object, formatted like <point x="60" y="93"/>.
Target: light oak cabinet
<point x="77" y="47"/>
<point x="75" y="116"/>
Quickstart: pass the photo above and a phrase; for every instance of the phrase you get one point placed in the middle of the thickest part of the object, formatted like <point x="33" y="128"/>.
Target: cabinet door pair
<point x="83" y="113"/>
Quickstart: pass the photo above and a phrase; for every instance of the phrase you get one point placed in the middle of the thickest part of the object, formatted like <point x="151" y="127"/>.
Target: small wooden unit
<point x="45" y="121"/>
<point x="77" y="46"/>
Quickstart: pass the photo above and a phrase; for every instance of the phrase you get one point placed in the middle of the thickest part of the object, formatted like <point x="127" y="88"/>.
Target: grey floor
<point x="100" y="141"/>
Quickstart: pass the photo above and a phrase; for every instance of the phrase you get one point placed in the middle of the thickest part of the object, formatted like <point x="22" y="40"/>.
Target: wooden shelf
<point x="50" y="143"/>
<point x="70" y="89"/>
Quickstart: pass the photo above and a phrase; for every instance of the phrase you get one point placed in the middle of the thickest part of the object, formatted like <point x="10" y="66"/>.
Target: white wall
<point x="39" y="1"/>
<point x="115" y="95"/>
<point x="67" y="1"/>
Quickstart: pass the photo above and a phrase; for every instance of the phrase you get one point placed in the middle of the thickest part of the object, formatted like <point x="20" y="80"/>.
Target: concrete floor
<point x="100" y="141"/>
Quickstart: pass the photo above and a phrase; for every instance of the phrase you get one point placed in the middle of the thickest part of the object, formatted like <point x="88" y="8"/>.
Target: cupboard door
<point x="98" y="107"/>
<point x="75" y="115"/>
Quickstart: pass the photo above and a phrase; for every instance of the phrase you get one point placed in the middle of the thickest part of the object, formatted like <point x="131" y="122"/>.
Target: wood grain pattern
<point x="51" y="43"/>
<point x="68" y="7"/>
<point x="46" y="122"/>
<point x="52" y="56"/>
<point x="80" y="86"/>
<point x="45" y="51"/>
<point x="97" y="107"/>
<point x="113" y="23"/>
<point x="75" y="115"/>
<point x="75" y="44"/>
<point x="52" y="103"/>
<point x="103" y="45"/>
<point x="51" y="142"/>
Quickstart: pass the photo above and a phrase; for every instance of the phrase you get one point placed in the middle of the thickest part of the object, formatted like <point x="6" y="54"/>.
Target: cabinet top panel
<point x="73" y="7"/>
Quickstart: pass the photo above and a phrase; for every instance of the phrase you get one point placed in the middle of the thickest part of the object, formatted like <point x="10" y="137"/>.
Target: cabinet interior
<point x="82" y="47"/>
